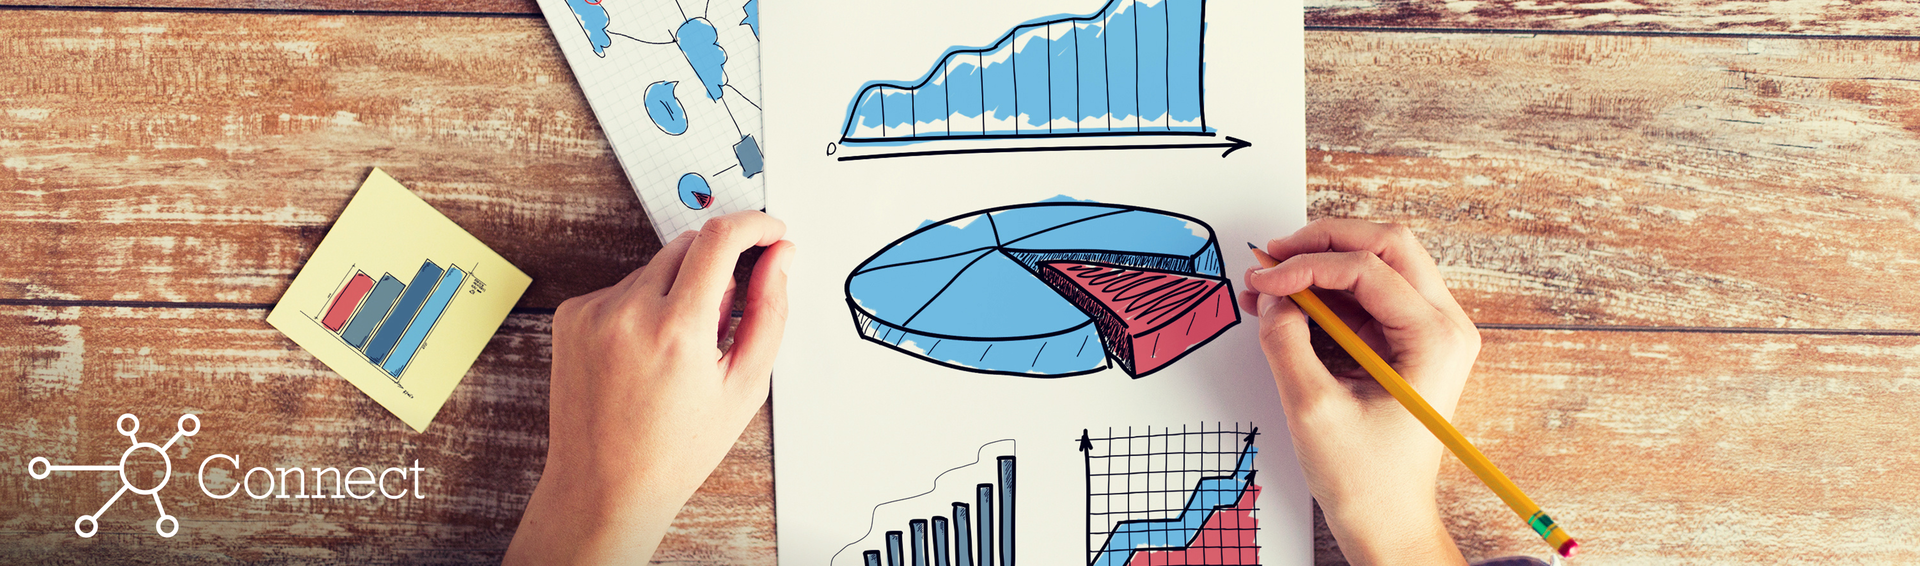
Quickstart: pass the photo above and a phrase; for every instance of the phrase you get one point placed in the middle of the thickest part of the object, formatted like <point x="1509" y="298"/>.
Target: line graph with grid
<point x="1172" y="497"/>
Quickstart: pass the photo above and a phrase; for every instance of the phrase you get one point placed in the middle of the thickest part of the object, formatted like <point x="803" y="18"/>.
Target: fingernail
<point x="786" y="259"/>
<point x="1268" y="303"/>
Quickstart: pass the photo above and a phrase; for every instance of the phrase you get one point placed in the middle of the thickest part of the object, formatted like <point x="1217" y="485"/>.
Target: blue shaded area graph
<point x="1171" y="498"/>
<point x="1134" y="67"/>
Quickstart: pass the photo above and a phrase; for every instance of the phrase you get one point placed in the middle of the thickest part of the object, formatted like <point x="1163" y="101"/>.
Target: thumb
<point x="757" y="340"/>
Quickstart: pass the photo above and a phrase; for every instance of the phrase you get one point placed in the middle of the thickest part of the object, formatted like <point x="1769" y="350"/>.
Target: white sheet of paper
<point x="863" y="429"/>
<point x="676" y="86"/>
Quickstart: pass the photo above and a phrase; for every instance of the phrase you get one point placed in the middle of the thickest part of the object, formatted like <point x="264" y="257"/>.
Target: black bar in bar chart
<point x="917" y="530"/>
<point x="985" y="505"/>
<point x="893" y="548"/>
<point x="1006" y="511"/>
<point x="962" y="538"/>
<point x="940" y="555"/>
<point x="873" y="557"/>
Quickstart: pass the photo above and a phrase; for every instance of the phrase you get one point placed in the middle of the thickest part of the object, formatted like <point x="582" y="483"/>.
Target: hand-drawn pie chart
<point x="1049" y="289"/>
<point x="695" y="193"/>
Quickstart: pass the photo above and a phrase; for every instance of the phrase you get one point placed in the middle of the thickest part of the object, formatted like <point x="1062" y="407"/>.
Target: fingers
<point x="1303" y="381"/>
<point x="1393" y="243"/>
<point x="1385" y="295"/>
<point x="755" y="342"/>
<point x="708" y="268"/>
<point x="724" y="311"/>
<point x="659" y="274"/>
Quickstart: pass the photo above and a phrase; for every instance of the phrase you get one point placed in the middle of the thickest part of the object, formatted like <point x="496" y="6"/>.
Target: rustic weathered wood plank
<point x="198" y="157"/>
<point x="1633" y="180"/>
<point x="1672" y="16"/>
<point x="1561" y="180"/>
<point x="1886" y="18"/>
<point x="1696" y="447"/>
<point x="452" y="7"/>
<point x="1664" y="446"/>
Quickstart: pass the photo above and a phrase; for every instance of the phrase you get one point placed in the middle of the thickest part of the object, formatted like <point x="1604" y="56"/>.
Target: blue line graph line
<point x="1134" y="67"/>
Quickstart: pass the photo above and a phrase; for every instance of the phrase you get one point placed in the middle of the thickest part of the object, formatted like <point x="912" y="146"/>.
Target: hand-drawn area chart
<point x="976" y="530"/>
<point x="1130" y="76"/>
<point x="388" y="320"/>
<point x="699" y="138"/>
<point x="1172" y="498"/>
<point x="1049" y="289"/>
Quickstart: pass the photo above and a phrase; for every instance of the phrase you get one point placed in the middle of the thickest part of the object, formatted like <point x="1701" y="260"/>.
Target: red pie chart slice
<point x="1146" y="318"/>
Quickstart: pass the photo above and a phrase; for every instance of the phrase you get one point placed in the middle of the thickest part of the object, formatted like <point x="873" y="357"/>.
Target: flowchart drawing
<point x="694" y="69"/>
<point x="1049" y="289"/>
<point x="1133" y="69"/>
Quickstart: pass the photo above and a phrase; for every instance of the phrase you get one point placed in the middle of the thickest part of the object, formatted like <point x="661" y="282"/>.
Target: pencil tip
<point x="1250" y="246"/>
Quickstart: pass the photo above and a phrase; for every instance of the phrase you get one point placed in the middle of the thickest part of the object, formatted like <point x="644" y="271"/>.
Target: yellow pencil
<point x="1396" y="385"/>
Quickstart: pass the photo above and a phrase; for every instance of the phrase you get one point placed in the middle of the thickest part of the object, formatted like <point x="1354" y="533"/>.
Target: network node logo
<point x="87" y="525"/>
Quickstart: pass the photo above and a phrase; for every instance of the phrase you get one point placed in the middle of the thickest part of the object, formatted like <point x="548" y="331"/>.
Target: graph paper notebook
<point x="1013" y="335"/>
<point x="398" y="299"/>
<point x="676" y="86"/>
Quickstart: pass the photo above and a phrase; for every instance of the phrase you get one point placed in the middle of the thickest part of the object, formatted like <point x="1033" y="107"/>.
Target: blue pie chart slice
<point x="968" y="292"/>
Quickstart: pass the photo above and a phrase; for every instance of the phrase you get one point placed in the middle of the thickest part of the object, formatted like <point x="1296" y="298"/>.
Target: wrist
<point x="1406" y="533"/>
<point x="580" y="514"/>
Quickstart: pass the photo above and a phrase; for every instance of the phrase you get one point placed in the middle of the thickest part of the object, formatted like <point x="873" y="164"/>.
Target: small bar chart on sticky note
<point x="388" y="320"/>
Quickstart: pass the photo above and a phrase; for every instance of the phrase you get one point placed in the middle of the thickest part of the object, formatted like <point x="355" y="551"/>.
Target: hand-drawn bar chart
<point x="389" y="320"/>
<point x="1172" y="498"/>
<point x="976" y="533"/>
<point x="1134" y="67"/>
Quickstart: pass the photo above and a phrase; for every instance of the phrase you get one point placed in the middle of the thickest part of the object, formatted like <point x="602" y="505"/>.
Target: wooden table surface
<point x="1689" y="230"/>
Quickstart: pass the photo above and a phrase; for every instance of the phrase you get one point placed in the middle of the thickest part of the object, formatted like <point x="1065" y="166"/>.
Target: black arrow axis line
<point x="1231" y="145"/>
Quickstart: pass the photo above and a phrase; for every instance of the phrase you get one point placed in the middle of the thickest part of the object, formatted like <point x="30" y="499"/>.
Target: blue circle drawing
<point x="694" y="191"/>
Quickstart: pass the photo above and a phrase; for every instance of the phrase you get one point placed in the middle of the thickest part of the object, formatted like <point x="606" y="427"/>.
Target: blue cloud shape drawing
<point x="700" y="43"/>
<point x="665" y="109"/>
<point x="753" y="17"/>
<point x="593" y="19"/>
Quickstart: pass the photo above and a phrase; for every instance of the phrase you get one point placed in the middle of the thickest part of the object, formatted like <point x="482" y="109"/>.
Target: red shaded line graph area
<point x="1226" y="540"/>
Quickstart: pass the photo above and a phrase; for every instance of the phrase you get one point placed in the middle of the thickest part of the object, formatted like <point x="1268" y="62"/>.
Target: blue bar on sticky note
<point x="379" y="301"/>
<point x="396" y="323"/>
<point x="443" y="293"/>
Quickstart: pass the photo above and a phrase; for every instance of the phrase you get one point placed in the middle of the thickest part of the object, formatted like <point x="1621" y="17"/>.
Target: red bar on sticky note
<point x="344" y="302"/>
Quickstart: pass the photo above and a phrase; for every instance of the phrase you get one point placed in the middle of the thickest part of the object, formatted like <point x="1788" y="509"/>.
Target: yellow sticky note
<point x="399" y="300"/>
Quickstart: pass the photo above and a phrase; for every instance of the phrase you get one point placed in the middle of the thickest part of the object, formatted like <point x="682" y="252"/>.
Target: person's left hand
<point x="643" y="404"/>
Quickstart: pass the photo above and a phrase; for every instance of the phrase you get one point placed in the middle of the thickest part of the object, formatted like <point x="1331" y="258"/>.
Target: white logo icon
<point x="87" y="525"/>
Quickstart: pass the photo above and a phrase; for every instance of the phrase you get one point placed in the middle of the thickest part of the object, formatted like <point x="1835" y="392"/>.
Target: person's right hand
<point x="1368" y="462"/>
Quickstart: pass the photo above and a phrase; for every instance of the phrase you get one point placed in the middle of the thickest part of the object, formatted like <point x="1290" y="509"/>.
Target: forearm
<point x="1413" y="535"/>
<point x="587" y="521"/>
